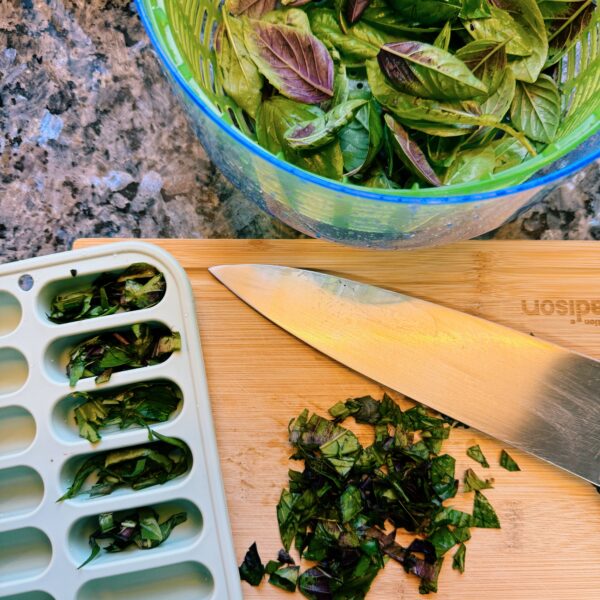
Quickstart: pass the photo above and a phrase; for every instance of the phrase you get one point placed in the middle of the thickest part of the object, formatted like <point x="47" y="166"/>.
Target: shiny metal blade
<point x="529" y="393"/>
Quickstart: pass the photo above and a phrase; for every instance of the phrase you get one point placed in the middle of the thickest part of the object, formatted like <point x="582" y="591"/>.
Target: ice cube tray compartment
<point x="13" y="370"/>
<point x="63" y="414"/>
<point x="43" y="446"/>
<point x="10" y="313"/>
<point x="17" y="430"/>
<point x="21" y="491"/>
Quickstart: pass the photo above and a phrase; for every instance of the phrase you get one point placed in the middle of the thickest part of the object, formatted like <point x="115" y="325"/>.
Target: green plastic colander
<point x="183" y="33"/>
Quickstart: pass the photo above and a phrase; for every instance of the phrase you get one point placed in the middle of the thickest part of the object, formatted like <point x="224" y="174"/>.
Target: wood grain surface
<point x="260" y="377"/>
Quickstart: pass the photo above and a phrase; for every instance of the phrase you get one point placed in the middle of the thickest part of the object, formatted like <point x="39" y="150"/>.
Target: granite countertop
<point x="93" y="143"/>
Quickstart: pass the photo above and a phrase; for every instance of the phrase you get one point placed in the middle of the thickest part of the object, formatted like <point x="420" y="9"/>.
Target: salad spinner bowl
<point x="183" y="33"/>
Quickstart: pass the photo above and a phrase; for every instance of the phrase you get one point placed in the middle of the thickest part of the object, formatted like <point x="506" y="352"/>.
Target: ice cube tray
<point x="43" y="541"/>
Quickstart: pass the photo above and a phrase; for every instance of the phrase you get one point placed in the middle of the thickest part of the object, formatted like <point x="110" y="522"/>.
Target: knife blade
<point x="525" y="391"/>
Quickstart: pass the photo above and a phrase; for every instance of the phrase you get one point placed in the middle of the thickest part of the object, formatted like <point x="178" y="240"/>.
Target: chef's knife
<point x="525" y="391"/>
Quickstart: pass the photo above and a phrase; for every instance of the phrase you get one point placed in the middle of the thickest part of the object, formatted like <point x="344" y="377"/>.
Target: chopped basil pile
<point x="102" y="355"/>
<point x="140" y="527"/>
<point x="139" y="467"/>
<point x="138" y="404"/>
<point x="400" y="93"/>
<point x="342" y="509"/>
<point x="139" y="286"/>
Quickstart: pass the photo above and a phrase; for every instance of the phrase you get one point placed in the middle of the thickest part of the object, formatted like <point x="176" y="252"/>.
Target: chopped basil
<point x="140" y="527"/>
<point x="476" y="454"/>
<point x="139" y="286"/>
<point x="508" y="462"/>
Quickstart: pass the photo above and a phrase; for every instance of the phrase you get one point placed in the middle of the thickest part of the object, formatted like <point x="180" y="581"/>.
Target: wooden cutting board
<point x="260" y="377"/>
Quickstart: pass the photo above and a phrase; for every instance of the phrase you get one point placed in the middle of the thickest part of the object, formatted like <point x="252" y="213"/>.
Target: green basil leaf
<point x="350" y="503"/>
<point x="536" y="109"/>
<point x="285" y="578"/>
<point x="527" y="14"/>
<point x="487" y="60"/>
<point x="382" y="16"/>
<point x="358" y="43"/>
<point x="427" y="12"/>
<point x="292" y="17"/>
<point x="475" y="9"/>
<point x="473" y="482"/>
<point x="425" y="71"/>
<point x="277" y="115"/>
<point x="483" y="513"/>
<point x="471" y="165"/>
<point x="361" y="139"/>
<point x="239" y="75"/>
<point x="444" y="37"/>
<point x="507" y="462"/>
<point x="458" y="560"/>
<point x="323" y="130"/>
<point x="502" y="28"/>
<point x="476" y="454"/>
<point x="509" y="153"/>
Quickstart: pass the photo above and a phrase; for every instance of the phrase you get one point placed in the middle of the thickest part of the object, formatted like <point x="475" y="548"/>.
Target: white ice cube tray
<point x="42" y="541"/>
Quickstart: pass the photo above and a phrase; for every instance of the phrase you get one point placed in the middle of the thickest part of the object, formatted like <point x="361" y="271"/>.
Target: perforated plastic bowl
<point x="183" y="34"/>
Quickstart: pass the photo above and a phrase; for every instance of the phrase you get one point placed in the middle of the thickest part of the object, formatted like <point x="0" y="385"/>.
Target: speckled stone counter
<point x="93" y="143"/>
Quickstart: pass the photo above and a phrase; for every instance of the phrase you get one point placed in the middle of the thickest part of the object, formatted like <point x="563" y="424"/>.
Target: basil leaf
<point x="361" y="139"/>
<point x="476" y="454"/>
<point x="509" y="153"/>
<point x="472" y="482"/>
<point x="442" y="540"/>
<point x="357" y="43"/>
<point x="410" y="153"/>
<point x="483" y="513"/>
<point x="322" y="130"/>
<point x="442" y="476"/>
<point x="458" y="560"/>
<point x="564" y="22"/>
<point x="507" y="462"/>
<point x="487" y="60"/>
<point x="427" y="12"/>
<point x="295" y="63"/>
<point x="292" y="17"/>
<point x="315" y="584"/>
<point x="475" y="9"/>
<point x="471" y="165"/>
<point x="239" y="75"/>
<point x="426" y="71"/>
<point x="502" y="28"/>
<point x="444" y="37"/>
<point x="382" y="16"/>
<point x="285" y="578"/>
<point x="276" y="116"/>
<point x="536" y="109"/>
<point x="252" y="569"/>
<point x="350" y="503"/>
<point x="529" y="17"/>
<point x="355" y="9"/>
<point x="250" y="8"/>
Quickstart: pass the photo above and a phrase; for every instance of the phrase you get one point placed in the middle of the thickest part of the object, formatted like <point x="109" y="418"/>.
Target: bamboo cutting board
<point x="260" y="377"/>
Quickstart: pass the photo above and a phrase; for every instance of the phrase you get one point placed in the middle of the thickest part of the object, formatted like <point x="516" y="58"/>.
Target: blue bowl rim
<point x="337" y="187"/>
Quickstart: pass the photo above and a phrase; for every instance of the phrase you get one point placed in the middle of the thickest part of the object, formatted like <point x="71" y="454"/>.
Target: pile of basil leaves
<point x="399" y="93"/>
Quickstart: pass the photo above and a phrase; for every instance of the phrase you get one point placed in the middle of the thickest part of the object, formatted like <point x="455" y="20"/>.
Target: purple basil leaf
<point x="355" y="9"/>
<point x="251" y="8"/>
<point x="294" y="62"/>
<point x="410" y="153"/>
